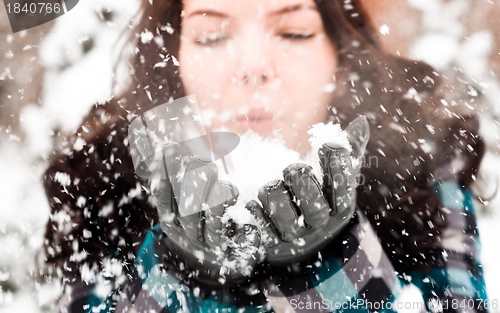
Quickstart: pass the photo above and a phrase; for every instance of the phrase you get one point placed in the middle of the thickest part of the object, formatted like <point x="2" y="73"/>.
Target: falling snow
<point x="443" y="43"/>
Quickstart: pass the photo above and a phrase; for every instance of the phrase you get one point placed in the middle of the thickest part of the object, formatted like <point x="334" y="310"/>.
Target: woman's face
<point x="265" y="65"/>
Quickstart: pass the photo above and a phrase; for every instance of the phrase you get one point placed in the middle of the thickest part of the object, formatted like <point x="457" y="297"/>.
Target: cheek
<point x="309" y="79"/>
<point x="203" y="72"/>
<point x="310" y="67"/>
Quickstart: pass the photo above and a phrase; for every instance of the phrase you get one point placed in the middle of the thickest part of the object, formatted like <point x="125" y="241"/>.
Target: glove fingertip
<point x="232" y="192"/>
<point x="264" y="191"/>
<point x="255" y="210"/>
<point x="171" y="149"/>
<point x="252" y="206"/>
<point x="332" y="159"/>
<point x="222" y="193"/>
<point x="296" y="167"/>
<point x="335" y="147"/>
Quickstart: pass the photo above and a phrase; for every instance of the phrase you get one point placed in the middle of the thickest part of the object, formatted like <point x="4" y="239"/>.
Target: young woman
<point x="289" y="64"/>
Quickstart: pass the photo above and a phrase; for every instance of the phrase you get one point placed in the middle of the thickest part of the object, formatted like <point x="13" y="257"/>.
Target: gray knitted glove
<point x="298" y="214"/>
<point x="196" y="237"/>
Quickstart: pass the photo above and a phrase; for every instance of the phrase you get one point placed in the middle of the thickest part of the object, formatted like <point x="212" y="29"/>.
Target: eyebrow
<point x="287" y="9"/>
<point x="292" y="8"/>
<point x="205" y="12"/>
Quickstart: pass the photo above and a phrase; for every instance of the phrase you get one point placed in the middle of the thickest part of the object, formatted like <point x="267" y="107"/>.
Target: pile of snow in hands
<point x="258" y="160"/>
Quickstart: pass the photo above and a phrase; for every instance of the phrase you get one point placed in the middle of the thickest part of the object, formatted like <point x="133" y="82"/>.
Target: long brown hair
<point x="99" y="208"/>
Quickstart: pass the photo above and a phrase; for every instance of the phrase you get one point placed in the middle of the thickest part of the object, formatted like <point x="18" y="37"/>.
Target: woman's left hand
<point x="299" y="215"/>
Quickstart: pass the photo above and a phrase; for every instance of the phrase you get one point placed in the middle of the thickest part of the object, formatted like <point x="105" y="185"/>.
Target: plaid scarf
<point x="353" y="273"/>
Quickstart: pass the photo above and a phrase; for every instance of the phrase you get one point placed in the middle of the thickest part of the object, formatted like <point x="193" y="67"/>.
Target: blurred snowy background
<point x="51" y="75"/>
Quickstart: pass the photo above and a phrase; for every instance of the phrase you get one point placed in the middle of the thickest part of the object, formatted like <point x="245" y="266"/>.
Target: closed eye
<point x="295" y="36"/>
<point x="211" y="40"/>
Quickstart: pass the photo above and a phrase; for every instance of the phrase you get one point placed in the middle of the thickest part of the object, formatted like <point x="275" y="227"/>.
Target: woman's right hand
<point x="190" y="209"/>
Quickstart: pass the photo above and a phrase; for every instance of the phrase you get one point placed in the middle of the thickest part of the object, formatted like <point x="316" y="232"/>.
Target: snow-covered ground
<point x="78" y="78"/>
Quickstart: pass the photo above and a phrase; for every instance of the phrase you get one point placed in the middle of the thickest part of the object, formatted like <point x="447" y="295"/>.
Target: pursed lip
<point x="256" y="119"/>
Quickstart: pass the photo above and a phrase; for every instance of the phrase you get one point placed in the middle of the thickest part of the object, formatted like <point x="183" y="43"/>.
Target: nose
<point x="254" y="65"/>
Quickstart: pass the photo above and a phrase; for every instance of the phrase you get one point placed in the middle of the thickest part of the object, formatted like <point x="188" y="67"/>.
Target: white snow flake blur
<point x="78" y="57"/>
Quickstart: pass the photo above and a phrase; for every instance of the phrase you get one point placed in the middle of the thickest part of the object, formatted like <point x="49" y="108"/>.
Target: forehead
<point x="255" y="8"/>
